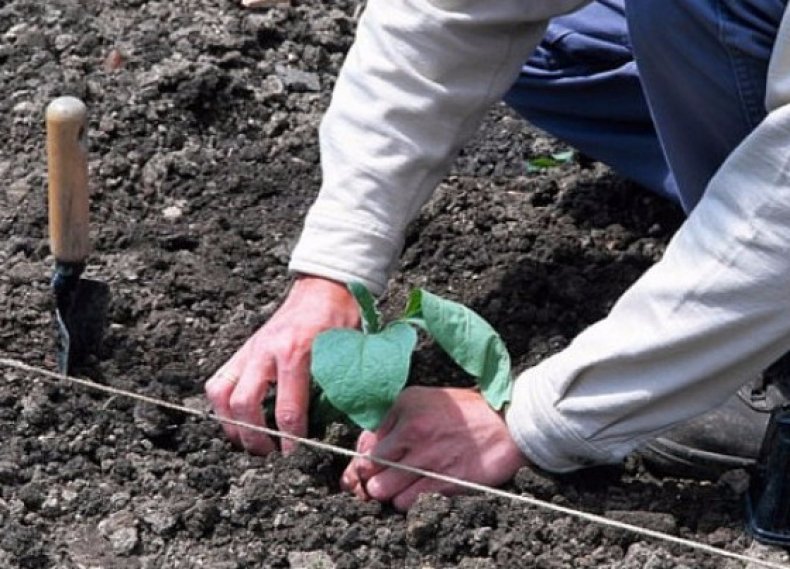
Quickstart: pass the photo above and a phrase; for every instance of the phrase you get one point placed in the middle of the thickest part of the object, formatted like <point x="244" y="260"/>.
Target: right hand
<point x="450" y="431"/>
<point x="279" y="352"/>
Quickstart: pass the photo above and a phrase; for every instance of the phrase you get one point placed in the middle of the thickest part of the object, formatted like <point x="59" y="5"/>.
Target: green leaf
<point x="362" y="374"/>
<point x="540" y="163"/>
<point x="468" y="339"/>
<point x="414" y="307"/>
<point x="371" y="318"/>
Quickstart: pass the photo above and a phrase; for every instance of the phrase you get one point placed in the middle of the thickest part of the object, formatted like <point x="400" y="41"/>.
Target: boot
<point x="726" y="438"/>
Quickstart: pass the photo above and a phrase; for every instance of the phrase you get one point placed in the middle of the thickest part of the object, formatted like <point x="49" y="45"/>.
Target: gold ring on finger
<point x="231" y="378"/>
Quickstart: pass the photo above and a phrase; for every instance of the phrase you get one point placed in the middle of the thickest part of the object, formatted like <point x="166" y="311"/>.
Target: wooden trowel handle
<point x="67" y="162"/>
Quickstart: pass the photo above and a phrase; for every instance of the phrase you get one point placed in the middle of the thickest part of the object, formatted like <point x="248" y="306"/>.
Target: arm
<point x="415" y="85"/>
<point x="712" y="313"/>
<point x="715" y="310"/>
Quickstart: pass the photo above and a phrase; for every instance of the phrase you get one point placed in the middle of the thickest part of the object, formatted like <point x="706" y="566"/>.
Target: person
<point x="670" y="93"/>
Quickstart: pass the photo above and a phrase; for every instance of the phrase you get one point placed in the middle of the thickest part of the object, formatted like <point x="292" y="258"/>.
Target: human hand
<point x="279" y="352"/>
<point x="449" y="431"/>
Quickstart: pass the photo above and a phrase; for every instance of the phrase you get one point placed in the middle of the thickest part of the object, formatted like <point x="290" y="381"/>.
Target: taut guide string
<point x="592" y="518"/>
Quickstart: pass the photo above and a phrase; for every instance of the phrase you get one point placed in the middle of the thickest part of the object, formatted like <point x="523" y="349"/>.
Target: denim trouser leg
<point x="582" y="86"/>
<point x="701" y="64"/>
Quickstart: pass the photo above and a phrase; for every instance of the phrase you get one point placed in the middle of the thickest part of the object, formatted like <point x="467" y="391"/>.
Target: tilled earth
<point x="204" y="158"/>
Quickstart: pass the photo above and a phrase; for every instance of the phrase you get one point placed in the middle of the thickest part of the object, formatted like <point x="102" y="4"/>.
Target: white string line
<point x="593" y="518"/>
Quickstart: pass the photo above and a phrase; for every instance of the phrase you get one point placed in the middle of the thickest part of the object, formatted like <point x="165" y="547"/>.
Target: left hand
<point x="450" y="431"/>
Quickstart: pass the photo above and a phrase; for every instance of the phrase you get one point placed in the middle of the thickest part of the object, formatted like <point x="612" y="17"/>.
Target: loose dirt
<point x="204" y="159"/>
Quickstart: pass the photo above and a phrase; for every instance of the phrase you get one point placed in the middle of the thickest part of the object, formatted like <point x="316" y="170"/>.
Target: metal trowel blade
<point x="81" y="319"/>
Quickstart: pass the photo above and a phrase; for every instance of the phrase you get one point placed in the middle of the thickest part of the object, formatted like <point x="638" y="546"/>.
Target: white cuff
<point x="346" y="249"/>
<point x="541" y="432"/>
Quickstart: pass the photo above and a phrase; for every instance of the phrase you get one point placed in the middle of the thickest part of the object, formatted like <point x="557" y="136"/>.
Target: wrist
<point x="322" y="295"/>
<point x="318" y="284"/>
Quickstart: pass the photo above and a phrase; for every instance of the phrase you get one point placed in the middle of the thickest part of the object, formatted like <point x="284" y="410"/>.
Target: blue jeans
<point x="661" y="90"/>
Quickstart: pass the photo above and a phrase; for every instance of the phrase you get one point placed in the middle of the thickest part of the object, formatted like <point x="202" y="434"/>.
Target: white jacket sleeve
<point x="415" y="85"/>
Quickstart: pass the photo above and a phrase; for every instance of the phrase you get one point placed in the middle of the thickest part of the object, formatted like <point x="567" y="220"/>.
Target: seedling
<point x="361" y="372"/>
<point x="541" y="163"/>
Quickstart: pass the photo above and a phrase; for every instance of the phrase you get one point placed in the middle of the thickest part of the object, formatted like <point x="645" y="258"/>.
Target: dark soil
<point x="204" y="158"/>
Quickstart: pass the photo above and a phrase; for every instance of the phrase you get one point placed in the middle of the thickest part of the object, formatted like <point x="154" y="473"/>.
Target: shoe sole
<point x="672" y="459"/>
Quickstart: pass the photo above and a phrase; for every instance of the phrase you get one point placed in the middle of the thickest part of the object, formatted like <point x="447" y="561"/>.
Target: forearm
<point x="415" y="85"/>
<point x="712" y="313"/>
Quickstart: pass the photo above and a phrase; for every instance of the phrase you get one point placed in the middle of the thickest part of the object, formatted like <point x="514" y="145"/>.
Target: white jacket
<point x="711" y="314"/>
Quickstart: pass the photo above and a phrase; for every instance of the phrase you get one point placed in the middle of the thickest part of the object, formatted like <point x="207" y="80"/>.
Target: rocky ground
<point x="204" y="158"/>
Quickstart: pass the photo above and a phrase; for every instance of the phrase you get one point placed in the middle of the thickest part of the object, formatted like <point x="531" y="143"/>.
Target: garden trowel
<point x="80" y="303"/>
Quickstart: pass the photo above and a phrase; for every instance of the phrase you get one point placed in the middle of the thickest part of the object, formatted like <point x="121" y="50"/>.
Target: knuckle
<point x="296" y="341"/>
<point x="293" y="373"/>
<point x="285" y="349"/>
<point x="241" y="406"/>
<point x="366" y="471"/>
<point x="270" y="344"/>
<point x="261" y="341"/>
<point x="284" y="344"/>
<point x="290" y="420"/>
<point x="213" y="391"/>
<point x="295" y="350"/>
<point x="365" y="441"/>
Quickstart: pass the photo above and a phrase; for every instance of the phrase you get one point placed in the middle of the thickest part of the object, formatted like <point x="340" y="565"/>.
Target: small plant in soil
<point x="542" y="163"/>
<point x="361" y="372"/>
